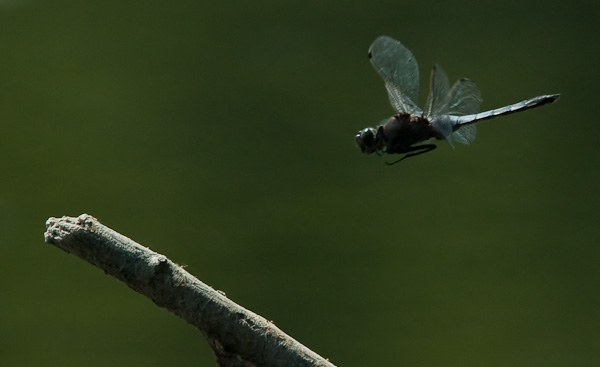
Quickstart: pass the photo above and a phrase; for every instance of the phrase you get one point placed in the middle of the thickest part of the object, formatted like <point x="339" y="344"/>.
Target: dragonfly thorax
<point x="403" y="131"/>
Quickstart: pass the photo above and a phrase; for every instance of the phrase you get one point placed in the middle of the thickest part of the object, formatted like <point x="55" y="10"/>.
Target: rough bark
<point x="238" y="337"/>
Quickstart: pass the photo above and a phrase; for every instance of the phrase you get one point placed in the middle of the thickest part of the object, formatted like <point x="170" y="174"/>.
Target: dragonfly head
<point x="368" y="140"/>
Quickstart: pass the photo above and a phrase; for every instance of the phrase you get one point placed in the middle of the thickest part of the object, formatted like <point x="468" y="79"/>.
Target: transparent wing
<point x="465" y="134"/>
<point x="438" y="100"/>
<point x="398" y="68"/>
<point x="465" y="99"/>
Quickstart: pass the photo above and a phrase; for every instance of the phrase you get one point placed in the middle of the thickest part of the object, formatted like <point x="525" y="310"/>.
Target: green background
<point x="220" y="133"/>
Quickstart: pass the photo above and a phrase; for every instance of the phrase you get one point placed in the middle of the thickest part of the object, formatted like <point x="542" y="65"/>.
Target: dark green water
<point x="221" y="135"/>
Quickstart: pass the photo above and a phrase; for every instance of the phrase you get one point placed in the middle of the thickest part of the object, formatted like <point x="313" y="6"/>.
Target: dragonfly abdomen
<point x="520" y="106"/>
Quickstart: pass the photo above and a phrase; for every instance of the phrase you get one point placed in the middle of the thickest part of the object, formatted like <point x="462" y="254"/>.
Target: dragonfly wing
<point x="465" y="99"/>
<point x="465" y="134"/>
<point x="439" y="94"/>
<point x="400" y="72"/>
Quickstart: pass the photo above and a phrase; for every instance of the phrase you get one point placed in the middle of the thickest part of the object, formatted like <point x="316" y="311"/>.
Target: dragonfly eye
<point x="366" y="140"/>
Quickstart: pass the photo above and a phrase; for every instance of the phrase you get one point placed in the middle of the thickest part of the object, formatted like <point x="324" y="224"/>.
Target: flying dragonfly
<point x="450" y="112"/>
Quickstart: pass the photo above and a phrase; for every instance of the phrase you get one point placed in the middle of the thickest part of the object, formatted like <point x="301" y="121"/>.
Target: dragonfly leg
<point x="419" y="149"/>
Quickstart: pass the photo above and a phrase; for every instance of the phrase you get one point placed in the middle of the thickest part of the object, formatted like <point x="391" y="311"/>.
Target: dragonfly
<point x="450" y="112"/>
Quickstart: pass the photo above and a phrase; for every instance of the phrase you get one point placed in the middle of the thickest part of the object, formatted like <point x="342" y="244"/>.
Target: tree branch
<point x="238" y="337"/>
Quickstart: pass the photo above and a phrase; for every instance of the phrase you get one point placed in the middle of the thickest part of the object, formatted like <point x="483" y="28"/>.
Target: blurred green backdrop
<point x="221" y="134"/>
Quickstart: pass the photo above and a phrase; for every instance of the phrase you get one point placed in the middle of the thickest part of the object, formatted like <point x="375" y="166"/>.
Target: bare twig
<point x="238" y="337"/>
